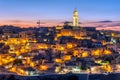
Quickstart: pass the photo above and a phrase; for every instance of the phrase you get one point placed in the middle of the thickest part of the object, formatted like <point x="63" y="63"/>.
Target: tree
<point x="17" y="62"/>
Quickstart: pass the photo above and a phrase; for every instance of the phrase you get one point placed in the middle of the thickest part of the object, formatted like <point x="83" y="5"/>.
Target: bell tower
<point x="75" y="18"/>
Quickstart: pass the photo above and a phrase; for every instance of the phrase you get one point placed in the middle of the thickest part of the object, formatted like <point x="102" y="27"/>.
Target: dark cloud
<point x="106" y="21"/>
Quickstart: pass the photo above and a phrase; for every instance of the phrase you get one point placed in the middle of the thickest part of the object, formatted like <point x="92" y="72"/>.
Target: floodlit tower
<point x="75" y="18"/>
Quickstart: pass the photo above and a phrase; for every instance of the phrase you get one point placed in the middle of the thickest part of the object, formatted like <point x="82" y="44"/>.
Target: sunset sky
<point x="52" y="12"/>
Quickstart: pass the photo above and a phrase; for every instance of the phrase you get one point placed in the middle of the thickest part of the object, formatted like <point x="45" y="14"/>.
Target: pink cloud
<point x="115" y="25"/>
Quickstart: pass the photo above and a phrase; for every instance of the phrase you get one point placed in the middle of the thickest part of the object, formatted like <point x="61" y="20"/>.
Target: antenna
<point x="38" y="23"/>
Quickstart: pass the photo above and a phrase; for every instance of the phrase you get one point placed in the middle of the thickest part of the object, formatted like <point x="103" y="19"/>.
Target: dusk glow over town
<point x="59" y="39"/>
<point x="25" y="13"/>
